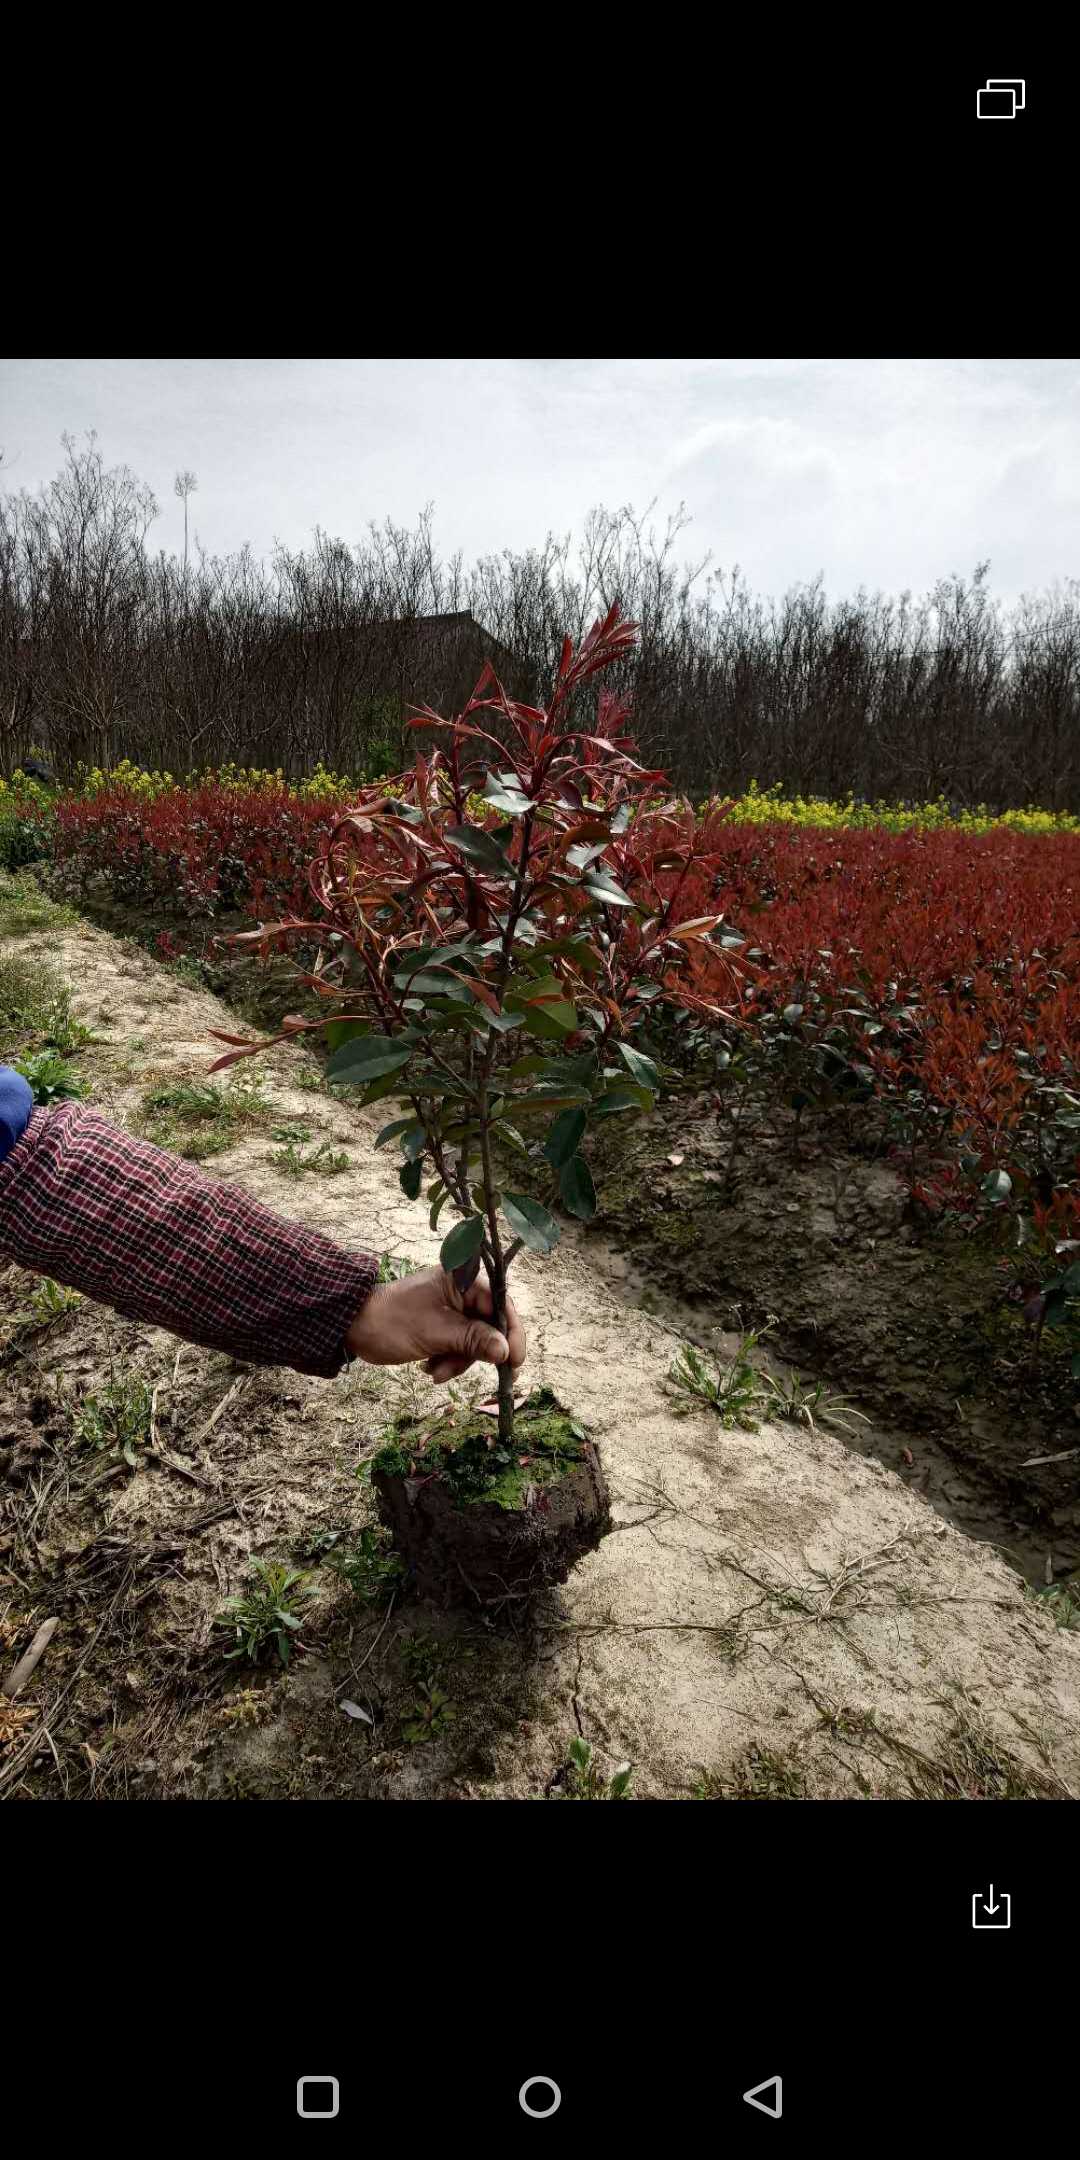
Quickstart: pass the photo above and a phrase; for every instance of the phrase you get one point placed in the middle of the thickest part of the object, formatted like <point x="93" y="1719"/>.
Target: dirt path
<point x="772" y="1614"/>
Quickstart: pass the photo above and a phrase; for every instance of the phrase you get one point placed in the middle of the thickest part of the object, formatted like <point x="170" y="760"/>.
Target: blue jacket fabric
<point x="16" y="1103"/>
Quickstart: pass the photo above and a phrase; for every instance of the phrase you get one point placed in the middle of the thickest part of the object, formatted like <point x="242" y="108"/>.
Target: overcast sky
<point x="887" y="473"/>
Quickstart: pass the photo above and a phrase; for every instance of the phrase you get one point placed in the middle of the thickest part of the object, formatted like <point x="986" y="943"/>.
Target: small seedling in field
<point x="737" y="1392"/>
<point x="309" y="1082"/>
<point x="48" y="1302"/>
<point x="393" y="1269"/>
<point x="263" y="1615"/>
<point x="1062" y="1602"/>
<point x="50" y="1078"/>
<point x="118" y="1417"/>
<point x="759" y="1774"/>
<point x="197" y="1120"/>
<point x="323" y="1160"/>
<point x="370" y="1568"/>
<point x="801" y="1402"/>
<point x="585" y="1781"/>
<point x="424" y="1660"/>
<point x="247" y="1707"/>
<point x="431" y="1713"/>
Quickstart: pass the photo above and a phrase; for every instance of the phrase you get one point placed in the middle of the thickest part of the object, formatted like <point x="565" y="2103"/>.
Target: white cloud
<point x="887" y="473"/>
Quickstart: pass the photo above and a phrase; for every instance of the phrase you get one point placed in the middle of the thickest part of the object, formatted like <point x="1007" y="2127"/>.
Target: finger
<point x="469" y="1339"/>
<point x="480" y="1340"/>
<point x="515" y="1334"/>
<point x="479" y="1300"/>
<point x="444" y="1368"/>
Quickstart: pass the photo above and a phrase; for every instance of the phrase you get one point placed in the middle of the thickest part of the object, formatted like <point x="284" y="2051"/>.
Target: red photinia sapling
<point x="489" y="976"/>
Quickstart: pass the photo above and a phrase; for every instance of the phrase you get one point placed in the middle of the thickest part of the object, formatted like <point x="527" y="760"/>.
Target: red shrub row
<point x="204" y="851"/>
<point x="942" y="966"/>
<point x="946" y="967"/>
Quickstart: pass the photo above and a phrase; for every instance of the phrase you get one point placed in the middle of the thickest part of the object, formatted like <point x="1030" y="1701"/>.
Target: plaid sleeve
<point x="158" y="1240"/>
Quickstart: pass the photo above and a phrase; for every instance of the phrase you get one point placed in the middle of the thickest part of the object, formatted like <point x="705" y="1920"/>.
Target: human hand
<point x="425" y="1316"/>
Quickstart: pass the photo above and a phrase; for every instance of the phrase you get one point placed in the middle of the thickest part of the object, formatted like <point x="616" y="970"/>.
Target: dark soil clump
<point x="483" y="1525"/>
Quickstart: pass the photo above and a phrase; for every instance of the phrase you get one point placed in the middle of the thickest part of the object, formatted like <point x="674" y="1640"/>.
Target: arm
<point x="158" y="1240"/>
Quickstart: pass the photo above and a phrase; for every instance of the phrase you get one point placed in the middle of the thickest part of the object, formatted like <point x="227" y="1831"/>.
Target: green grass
<point x="49" y="1302"/>
<point x="806" y="1402"/>
<point x="584" y="1780"/>
<point x="50" y="1077"/>
<point x="196" y="1119"/>
<point x="35" y="1009"/>
<point x="369" y="1567"/>
<point x="463" y="1448"/>
<point x="759" y="1774"/>
<point x="262" y="1617"/>
<point x="117" y="1417"/>
<point x="737" y="1393"/>
<point x="25" y="908"/>
<point x="1062" y="1602"/>
<point x="424" y="1661"/>
<point x="290" y="1157"/>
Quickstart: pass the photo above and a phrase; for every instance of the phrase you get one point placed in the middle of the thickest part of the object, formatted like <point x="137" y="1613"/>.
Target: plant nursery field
<point x="816" y="1293"/>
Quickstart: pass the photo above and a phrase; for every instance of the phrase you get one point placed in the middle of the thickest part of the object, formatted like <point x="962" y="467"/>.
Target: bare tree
<point x="107" y="651"/>
<point x="185" y="484"/>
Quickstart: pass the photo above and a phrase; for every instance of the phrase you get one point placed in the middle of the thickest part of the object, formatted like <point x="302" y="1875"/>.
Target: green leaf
<point x="622" y="1098"/>
<point x="522" y="1067"/>
<point x="462" y="1242"/>
<point x="425" y="983"/>
<point x="550" y="1020"/>
<point x="641" y="1068"/>
<point x="408" y="963"/>
<point x="997" y="1186"/>
<point x="502" y="1022"/>
<point x="554" y="1098"/>
<point x="504" y="792"/>
<point x="368" y="1057"/>
<point x="533" y="1224"/>
<point x="576" y="1070"/>
<point x="390" y="1132"/>
<point x="565" y="1137"/>
<point x="509" y="1132"/>
<point x="439" y="1200"/>
<point x="410" y="1178"/>
<point x="390" y="1085"/>
<point x="479" y="846"/>
<point x="413" y="1142"/>
<point x="577" y="1188"/>
<point x="343" y="1031"/>
<point x="606" y="890"/>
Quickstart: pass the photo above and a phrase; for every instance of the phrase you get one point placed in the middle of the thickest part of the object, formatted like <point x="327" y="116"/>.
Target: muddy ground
<point x="911" y="1325"/>
<point x="776" y="1613"/>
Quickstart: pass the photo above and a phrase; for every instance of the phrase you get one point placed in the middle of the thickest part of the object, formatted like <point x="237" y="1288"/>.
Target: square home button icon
<point x="317" y="2098"/>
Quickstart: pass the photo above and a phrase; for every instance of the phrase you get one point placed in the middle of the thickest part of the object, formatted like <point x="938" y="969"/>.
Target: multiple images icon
<point x="1002" y="98"/>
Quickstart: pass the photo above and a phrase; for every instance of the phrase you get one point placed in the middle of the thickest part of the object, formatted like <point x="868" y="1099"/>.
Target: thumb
<point x="475" y="1338"/>
<point x="466" y="1340"/>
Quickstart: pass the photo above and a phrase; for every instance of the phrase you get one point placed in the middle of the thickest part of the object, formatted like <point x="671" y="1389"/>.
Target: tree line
<point x="109" y="649"/>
